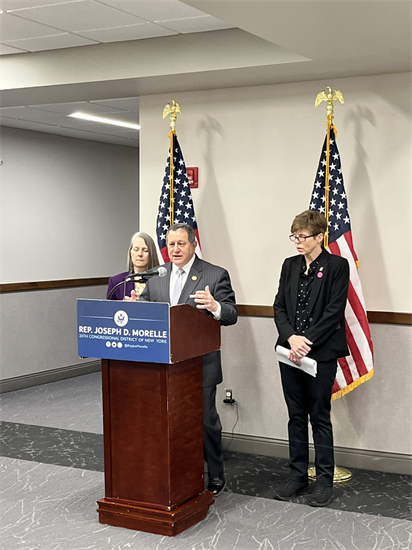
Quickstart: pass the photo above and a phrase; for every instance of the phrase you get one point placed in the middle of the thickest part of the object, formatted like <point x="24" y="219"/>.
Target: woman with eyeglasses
<point x="309" y="311"/>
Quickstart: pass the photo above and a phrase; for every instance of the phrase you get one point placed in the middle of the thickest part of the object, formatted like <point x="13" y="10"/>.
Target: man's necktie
<point x="178" y="286"/>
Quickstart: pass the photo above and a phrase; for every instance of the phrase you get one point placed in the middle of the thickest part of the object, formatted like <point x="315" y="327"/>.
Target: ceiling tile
<point x="94" y="132"/>
<point x="126" y="104"/>
<point x="78" y="16"/>
<point x="6" y="50"/>
<point x="68" y="108"/>
<point x="25" y="125"/>
<point x="33" y="115"/>
<point x="195" y="24"/>
<point x="155" y="10"/>
<point x="88" y="126"/>
<point x="129" y="32"/>
<point x="70" y="132"/>
<point x="124" y="116"/>
<point x="125" y="132"/>
<point x="116" y="140"/>
<point x="15" y="28"/>
<point x="53" y="42"/>
<point x="29" y="114"/>
<point x="15" y="5"/>
<point x="96" y="136"/>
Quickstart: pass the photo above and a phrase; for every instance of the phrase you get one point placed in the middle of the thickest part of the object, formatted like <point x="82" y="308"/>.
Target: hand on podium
<point x="132" y="297"/>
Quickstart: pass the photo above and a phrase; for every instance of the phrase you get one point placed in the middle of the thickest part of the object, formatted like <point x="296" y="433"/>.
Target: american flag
<point x="358" y="366"/>
<point x="184" y="211"/>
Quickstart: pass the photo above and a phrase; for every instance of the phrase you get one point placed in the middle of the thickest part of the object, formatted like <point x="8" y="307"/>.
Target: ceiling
<point x="99" y="56"/>
<point x="38" y="25"/>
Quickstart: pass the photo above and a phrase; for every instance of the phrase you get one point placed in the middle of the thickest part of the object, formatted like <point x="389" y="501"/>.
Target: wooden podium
<point x="153" y="432"/>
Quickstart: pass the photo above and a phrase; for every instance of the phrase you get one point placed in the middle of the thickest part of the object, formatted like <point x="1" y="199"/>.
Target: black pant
<point x="212" y="434"/>
<point x="307" y="396"/>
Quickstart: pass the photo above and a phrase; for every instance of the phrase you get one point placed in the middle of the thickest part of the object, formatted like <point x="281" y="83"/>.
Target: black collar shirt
<point x="305" y="289"/>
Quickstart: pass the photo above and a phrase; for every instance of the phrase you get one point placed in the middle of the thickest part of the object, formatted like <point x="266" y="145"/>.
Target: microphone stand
<point x="129" y="279"/>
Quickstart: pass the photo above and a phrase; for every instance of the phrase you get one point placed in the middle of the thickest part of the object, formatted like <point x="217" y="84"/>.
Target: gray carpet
<point x="51" y="476"/>
<point x="46" y="507"/>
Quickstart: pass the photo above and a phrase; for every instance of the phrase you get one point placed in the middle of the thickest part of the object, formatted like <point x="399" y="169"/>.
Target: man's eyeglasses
<point x="301" y="239"/>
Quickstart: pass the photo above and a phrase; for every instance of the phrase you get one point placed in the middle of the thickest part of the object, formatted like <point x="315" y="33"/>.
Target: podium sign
<point x="152" y="410"/>
<point x="127" y="331"/>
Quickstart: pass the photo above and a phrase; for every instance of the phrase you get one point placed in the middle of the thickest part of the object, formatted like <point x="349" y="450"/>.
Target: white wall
<point x="68" y="209"/>
<point x="257" y="150"/>
<point x="68" y="206"/>
<point x="39" y="330"/>
<point x="375" y="416"/>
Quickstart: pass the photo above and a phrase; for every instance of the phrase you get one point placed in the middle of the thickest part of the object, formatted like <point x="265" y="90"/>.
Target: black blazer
<point x="326" y="306"/>
<point x="201" y="274"/>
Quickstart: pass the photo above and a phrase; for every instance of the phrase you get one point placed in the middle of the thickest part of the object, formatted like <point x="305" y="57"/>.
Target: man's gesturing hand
<point x="205" y="300"/>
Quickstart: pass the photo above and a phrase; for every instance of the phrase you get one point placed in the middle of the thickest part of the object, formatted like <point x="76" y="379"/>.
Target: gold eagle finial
<point x="173" y="111"/>
<point x="329" y="97"/>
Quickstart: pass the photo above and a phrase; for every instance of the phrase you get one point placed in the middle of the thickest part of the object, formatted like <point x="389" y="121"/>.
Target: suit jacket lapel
<point x="193" y="279"/>
<point x="165" y="284"/>
<point x="318" y="280"/>
<point x="294" y="283"/>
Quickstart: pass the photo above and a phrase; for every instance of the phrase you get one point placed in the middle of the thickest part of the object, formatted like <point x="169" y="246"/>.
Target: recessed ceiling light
<point x="85" y="116"/>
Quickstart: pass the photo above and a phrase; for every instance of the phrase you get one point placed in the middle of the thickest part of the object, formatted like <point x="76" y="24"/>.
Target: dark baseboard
<point x="362" y="459"/>
<point x="45" y="377"/>
<point x="350" y="458"/>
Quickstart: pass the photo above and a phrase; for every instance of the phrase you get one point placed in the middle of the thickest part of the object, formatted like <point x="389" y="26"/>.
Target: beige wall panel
<point x="39" y="330"/>
<point x="68" y="206"/>
<point x="257" y="150"/>
<point x="376" y="416"/>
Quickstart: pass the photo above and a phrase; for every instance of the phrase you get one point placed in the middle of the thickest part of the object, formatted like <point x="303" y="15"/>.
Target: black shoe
<point x="292" y="488"/>
<point x="217" y="485"/>
<point x="322" y="495"/>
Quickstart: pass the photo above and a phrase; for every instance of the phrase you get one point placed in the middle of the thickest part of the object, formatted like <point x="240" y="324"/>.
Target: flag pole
<point x="173" y="110"/>
<point x="329" y="98"/>
<point x="340" y="474"/>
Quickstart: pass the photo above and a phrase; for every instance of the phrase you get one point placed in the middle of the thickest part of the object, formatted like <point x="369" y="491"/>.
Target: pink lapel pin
<point x="320" y="275"/>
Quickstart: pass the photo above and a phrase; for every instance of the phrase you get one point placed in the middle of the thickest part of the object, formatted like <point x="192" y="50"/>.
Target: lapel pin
<point x="320" y="275"/>
<point x="194" y="278"/>
<point x="321" y="269"/>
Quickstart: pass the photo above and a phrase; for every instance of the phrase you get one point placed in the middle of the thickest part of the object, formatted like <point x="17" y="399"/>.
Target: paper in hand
<point x="306" y="364"/>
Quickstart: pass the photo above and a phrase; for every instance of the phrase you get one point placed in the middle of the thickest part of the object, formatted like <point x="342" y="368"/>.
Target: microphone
<point x="160" y="271"/>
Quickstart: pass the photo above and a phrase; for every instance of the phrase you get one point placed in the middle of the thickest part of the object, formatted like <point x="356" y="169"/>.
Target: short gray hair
<point x="153" y="257"/>
<point x="191" y="235"/>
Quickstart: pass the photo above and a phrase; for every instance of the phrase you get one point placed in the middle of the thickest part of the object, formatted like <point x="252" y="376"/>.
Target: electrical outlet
<point x="229" y="397"/>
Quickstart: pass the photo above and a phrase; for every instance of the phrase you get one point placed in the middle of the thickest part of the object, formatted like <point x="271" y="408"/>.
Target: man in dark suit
<point x="310" y="317"/>
<point x="193" y="281"/>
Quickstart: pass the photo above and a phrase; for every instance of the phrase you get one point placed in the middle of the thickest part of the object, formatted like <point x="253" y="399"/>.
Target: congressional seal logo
<point x="121" y="318"/>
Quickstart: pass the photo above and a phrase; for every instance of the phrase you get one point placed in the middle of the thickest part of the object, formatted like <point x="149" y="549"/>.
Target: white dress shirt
<point x="186" y="268"/>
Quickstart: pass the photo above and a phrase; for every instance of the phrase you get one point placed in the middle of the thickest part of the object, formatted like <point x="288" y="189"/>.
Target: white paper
<point x="306" y="364"/>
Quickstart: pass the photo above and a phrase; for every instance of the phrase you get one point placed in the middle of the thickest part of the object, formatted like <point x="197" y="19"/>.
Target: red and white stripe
<point x="358" y="366"/>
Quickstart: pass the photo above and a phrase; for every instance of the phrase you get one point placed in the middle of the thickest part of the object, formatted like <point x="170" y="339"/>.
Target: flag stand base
<point x="340" y="474"/>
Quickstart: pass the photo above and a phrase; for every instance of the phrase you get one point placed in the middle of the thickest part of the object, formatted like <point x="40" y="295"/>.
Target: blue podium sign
<point x="129" y="331"/>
